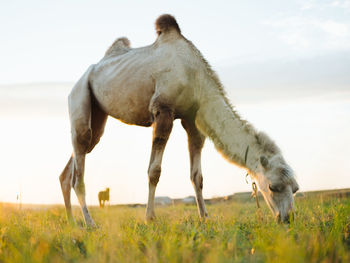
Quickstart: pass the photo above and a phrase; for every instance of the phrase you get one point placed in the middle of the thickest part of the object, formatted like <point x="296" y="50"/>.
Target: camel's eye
<point x="276" y="188"/>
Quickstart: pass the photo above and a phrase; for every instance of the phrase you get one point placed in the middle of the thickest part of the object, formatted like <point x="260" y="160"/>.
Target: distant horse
<point x="103" y="196"/>
<point x="153" y="86"/>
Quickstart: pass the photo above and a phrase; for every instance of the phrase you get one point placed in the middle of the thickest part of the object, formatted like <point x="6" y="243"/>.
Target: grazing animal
<point x="103" y="196"/>
<point x="153" y="86"/>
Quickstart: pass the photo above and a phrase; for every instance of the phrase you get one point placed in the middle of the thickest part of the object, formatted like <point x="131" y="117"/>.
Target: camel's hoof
<point x="150" y="218"/>
<point x="71" y="221"/>
<point x="90" y="224"/>
<point x="204" y="218"/>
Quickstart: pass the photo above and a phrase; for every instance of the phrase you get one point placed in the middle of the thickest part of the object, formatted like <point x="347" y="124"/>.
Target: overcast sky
<point x="285" y="67"/>
<point x="57" y="40"/>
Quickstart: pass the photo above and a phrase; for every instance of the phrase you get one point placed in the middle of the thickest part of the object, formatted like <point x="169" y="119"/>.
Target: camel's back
<point x="124" y="84"/>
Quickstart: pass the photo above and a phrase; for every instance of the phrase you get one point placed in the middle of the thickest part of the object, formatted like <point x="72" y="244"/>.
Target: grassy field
<point x="235" y="232"/>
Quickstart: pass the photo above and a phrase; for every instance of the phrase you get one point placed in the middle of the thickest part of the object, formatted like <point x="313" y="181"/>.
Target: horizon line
<point x="206" y="199"/>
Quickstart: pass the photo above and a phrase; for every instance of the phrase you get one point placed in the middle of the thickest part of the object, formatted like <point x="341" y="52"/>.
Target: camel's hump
<point x="165" y="23"/>
<point x="119" y="46"/>
<point x="122" y="41"/>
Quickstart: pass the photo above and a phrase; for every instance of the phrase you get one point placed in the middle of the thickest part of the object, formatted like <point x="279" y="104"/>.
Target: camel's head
<point x="277" y="184"/>
<point x="107" y="189"/>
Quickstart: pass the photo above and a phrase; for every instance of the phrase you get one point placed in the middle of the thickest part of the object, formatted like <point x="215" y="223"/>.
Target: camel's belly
<point x="125" y="99"/>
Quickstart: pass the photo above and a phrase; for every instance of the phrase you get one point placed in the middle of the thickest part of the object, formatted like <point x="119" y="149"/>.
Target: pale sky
<point x="286" y="68"/>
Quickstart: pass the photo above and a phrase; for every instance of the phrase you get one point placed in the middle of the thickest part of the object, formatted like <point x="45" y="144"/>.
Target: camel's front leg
<point x="195" y="145"/>
<point x="163" y="123"/>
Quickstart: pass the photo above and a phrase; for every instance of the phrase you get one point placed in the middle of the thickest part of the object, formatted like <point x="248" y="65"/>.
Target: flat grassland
<point x="235" y="232"/>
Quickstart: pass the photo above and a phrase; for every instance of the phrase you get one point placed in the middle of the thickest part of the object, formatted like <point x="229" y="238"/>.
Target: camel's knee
<point x="78" y="174"/>
<point x="197" y="179"/>
<point x="154" y="174"/>
<point x="81" y="139"/>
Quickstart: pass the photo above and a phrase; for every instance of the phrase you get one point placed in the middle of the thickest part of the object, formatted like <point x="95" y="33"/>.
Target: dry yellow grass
<point x="235" y="232"/>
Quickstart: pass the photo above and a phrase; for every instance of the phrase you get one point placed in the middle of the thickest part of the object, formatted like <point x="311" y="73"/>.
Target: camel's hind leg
<point x="66" y="185"/>
<point x="84" y="140"/>
<point x="195" y="145"/>
<point x="87" y="125"/>
<point x="162" y="126"/>
<point x="79" y="186"/>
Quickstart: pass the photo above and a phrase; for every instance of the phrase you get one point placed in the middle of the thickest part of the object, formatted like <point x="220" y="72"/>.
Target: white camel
<point x="153" y="86"/>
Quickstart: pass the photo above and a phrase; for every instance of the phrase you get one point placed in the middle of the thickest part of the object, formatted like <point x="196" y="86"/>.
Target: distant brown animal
<point x="103" y="196"/>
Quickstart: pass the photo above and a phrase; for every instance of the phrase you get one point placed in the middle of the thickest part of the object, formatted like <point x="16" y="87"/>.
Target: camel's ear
<point x="264" y="161"/>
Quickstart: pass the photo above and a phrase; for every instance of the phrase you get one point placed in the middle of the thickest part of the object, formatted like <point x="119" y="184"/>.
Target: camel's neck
<point x="231" y="135"/>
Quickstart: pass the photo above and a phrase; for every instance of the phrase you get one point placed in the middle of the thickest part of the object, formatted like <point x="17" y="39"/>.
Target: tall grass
<point x="235" y="232"/>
